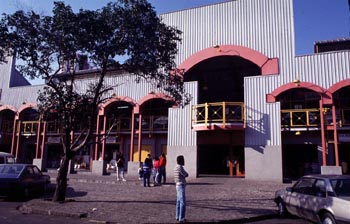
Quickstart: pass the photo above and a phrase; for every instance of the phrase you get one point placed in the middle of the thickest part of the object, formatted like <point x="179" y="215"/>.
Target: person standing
<point x="120" y="167"/>
<point x="156" y="180"/>
<point x="147" y="168"/>
<point x="180" y="181"/>
<point x="162" y="171"/>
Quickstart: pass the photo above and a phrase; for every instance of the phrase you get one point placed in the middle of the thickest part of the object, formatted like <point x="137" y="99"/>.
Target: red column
<point x="104" y="139"/>
<point x="323" y="136"/>
<point x="38" y="140"/>
<point x="131" y="157"/>
<point x="97" y="138"/>
<point x="43" y="140"/>
<point x="140" y="138"/>
<point x="335" y="134"/>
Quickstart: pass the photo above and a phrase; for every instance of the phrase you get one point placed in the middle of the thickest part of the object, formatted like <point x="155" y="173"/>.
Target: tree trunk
<point x="61" y="181"/>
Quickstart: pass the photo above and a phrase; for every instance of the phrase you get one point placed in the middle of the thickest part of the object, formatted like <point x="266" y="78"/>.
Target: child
<point x="140" y="171"/>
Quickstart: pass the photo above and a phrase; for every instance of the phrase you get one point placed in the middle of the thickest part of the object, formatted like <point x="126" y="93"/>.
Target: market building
<point x="258" y="110"/>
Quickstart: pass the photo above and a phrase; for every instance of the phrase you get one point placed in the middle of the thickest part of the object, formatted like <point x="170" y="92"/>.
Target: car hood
<point x="346" y="198"/>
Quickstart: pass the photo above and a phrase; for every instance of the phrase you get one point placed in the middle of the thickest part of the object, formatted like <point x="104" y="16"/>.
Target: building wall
<point x="324" y="69"/>
<point x="270" y="156"/>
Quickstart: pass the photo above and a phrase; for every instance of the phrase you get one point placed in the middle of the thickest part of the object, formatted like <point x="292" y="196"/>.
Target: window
<point x="304" y="186"/>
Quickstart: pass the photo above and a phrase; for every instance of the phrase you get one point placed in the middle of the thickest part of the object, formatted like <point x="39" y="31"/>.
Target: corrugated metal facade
<point x="323" y="69"/>
<point x="179" y="127"/>
<point x="265" y="26"/>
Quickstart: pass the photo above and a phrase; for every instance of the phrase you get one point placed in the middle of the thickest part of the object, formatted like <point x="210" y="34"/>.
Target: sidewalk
<point x="102" y="199"/>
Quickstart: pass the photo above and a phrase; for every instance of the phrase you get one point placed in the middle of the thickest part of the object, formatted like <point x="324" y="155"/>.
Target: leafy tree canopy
<point x="47" y="47"/>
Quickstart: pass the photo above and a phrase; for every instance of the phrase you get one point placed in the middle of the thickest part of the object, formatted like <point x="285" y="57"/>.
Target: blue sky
<point x="315" y="20"/>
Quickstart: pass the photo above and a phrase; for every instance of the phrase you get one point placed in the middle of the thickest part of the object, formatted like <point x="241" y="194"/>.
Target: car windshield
<point x="12" y="169"/>
<point x="341" y="187"/>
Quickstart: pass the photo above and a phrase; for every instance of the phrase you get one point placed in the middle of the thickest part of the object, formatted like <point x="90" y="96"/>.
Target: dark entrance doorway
<point x="344" y="157"/>
<point x="299" y="160"/>
<point x="214" y="159"/>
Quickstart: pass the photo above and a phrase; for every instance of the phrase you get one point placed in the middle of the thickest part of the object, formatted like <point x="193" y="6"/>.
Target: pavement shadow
<point x="70" y="192"/>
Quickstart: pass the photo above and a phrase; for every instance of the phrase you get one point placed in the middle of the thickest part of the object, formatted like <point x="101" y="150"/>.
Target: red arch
<point x="152" y="96"/>
<point x="337" y="86"/>
<point x="8" y="107"/>
<point x="26" y="106"/>
<point x="117" y="99"/>
<point x="326" y="96"/>
<point x="269" y="66"/>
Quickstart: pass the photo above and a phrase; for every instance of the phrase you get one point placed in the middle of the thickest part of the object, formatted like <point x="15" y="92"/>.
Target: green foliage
<point x="128" y="29"/>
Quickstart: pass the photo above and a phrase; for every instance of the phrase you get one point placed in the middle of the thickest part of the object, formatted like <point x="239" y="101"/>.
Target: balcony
<point x="300" y="118"/>
<point x="218" y="116"/>
<point x="29" y="128"/>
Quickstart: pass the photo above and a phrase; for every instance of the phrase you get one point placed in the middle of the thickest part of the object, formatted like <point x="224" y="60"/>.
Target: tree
<point x="50" y="47"/>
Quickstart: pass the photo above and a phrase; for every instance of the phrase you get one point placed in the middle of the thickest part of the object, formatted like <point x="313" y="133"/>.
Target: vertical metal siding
<point x="265" y="25"/>
<point x="263" y="119"/>
<point x="325" y="69"/>
<point x="179" y="127"/>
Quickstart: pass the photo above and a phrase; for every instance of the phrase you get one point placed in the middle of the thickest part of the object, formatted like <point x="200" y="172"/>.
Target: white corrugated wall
<point x="265" y="26"/>
<point x="179" y="127"/>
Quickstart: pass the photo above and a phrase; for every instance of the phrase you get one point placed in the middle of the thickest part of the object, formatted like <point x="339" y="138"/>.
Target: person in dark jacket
<point x="147" y="168"/>
<point x="120" y="167"/>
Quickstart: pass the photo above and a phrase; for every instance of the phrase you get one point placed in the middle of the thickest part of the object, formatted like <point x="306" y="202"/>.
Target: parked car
<point x="319" y="198"/>
<point x="6" y="158"/>
<point x="22" y="180"/>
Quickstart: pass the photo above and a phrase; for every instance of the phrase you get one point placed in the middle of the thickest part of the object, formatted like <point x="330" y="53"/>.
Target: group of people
<point x="156" y="168"/>
<point x="118" y="165"/>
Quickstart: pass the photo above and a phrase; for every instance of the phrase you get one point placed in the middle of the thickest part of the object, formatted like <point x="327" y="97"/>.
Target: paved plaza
<point x="103" y="199"/>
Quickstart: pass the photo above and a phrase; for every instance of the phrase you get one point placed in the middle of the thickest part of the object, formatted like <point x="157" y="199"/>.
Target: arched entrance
<point x="219" y="113"/>
<point x="7" y="116"/>
<point x="301" y="132"/>
<point x="341" y="102"/>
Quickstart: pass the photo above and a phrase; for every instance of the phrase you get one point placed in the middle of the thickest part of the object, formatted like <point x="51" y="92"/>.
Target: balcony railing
<point x="29" y="127"/>
<point x="149" y="123"/>
<point x="54" y="127"/>
<point x="300" y="118"/>
<point x="224" y="113"/>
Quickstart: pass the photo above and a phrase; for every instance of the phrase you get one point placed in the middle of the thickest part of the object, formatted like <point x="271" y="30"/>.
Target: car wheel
<point x="26" y="193"/>
<point x="282" y="211"/>
<point x="328" y="218"/>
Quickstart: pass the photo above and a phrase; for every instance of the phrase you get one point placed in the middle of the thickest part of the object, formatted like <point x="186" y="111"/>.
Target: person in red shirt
<point x="162" y="170"/>
<point x="156" y="171"/>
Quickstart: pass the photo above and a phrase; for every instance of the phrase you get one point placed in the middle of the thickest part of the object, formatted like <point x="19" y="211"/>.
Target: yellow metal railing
<point x="29" y="127"/>
<point x="218" y="112"/>
<point x="300" y="117"/>
<point x="345" y="116"/>
<point x="54" y="126"/>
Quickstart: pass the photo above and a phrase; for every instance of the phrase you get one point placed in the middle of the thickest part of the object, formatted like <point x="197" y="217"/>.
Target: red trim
<point x="116" y="99"/>
<point x="152" y="96"/>
<point x="326" y="95"/>
<point x="8" y="107"/>
<point x="212" y="127"/>
<point x="26" y="106"/>
<point x="339" y="85"/>
<point x="269" y="66"/>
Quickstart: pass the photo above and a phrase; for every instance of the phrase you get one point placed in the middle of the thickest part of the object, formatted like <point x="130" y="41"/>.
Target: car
<point x="319" y="198"/>
<point x="6" y="158"/>
<point x="22" y="180"/>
